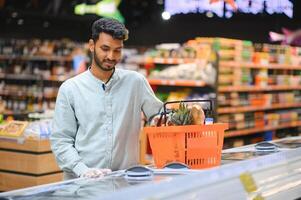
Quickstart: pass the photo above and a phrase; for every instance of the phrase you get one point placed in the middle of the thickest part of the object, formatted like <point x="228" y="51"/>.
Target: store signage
<point x="221" y="9"/>
<point x="105" y="8"/>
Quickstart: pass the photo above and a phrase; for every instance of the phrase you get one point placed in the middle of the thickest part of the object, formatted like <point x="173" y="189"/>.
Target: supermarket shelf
<point x="228" y="53"/>
<point x="169" y="60"/>
<point x="16" y="94"/>
<point x="250" y="131"/>
<point x="240" y="109"/>
<point x="56" y="78"/>
<point x="184" y="83"/>
<point x="24" y="94"/>
<point x="37" y="58"/>
<point x="225" y="79"/>
<point x="257" y="88"/>
<point x="31" y="77"/>
<point x="10" y="112"/>
<point x="258" y="66"/>
<point x="28" y="77"/>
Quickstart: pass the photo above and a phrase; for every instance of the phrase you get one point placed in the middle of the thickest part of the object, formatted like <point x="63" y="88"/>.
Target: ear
<point x="91" y="45"/>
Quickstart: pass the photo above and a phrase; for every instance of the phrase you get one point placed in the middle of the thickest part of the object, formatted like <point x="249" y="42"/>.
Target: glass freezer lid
<point x="84" y="188"/>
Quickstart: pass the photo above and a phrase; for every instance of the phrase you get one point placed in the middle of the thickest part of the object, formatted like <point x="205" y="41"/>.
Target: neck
<point x="102" y="75"/>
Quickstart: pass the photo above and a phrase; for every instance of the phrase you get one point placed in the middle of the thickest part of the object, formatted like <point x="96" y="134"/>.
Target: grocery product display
<point x="261" y="95"/>
<point x="31" y="72"/>
<point x="179" y="72"/>
<point x="256" y="87"/>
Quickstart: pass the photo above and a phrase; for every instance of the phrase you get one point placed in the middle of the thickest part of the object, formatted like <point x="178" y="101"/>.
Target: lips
<point x="110" y="64"/>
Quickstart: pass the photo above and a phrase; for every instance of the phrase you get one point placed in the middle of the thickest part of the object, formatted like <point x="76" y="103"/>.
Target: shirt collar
<point x="113" y="79"/>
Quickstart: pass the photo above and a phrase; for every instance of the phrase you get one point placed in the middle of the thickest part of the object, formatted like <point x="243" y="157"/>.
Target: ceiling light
<point x="20" y="22"/>
<point x="160" y="2"/>
<point x="46" y="24"/>
<point x="166" y="15"/>
<point x="209" y="14"/>
<point x="14" y="15"/>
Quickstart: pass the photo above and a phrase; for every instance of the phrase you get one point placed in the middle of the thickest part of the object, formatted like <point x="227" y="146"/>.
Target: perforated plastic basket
<point x="198" y="146"/>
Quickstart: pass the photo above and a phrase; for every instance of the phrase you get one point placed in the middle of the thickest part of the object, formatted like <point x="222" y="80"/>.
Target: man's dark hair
<point x="110" y="26"/>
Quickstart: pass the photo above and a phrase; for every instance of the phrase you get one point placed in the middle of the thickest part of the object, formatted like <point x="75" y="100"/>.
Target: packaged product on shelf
<point x="38" y="130"/>
<point x="13" y="129"/>
<point x="261" y="78"/>
<point x="178" y="95"/>
<point x="206" y="73"/>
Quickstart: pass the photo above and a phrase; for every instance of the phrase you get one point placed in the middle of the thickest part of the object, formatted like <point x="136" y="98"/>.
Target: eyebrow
<point x="104" y="45"/>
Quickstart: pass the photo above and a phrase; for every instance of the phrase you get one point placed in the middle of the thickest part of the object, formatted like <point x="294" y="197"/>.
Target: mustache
<point x="110" y="61"/>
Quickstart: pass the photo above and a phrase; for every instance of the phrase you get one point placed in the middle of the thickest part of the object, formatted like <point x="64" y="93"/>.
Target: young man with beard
<point x="98" y="113"/>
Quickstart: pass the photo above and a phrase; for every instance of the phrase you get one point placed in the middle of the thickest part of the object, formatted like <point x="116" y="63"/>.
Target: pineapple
<point x="181" y="116"/>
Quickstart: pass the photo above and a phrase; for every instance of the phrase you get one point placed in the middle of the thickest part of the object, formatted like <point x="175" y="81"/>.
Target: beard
<point x="99" y="63"/>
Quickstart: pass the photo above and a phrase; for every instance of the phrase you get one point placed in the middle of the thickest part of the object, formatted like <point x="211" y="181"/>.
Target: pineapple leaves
<point x="181" y="116"/>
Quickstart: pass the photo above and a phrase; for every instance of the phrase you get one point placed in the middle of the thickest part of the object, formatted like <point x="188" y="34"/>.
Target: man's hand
<point x="95" y="173"/>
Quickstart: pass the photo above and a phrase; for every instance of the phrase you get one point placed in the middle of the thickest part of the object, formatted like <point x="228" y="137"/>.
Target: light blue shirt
<point x="97" y="128"/>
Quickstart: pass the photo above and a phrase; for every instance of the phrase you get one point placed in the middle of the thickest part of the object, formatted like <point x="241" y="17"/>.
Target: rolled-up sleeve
<point x="151" y="105"/>
<point x="64" y="129"/>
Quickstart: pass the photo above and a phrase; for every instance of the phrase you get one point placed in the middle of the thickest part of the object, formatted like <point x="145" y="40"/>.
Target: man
<point x="98" y="113"/>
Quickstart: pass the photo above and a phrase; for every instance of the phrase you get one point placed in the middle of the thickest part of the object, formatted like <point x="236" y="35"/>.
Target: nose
<point x="110" y="55"/>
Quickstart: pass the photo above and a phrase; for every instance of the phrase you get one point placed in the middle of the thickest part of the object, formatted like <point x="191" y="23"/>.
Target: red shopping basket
<point x="198" y="146"/>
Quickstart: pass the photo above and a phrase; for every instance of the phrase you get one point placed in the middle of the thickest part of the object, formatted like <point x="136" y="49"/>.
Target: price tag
<point x="164" y="82"/>
<point x="159" y="60"/>
<point x="258" y="197"/>
<point x="248" y="182"/>
<point x="199" y="83"/>
<point x="170" y="61"/>
<point x="172" y="82"/>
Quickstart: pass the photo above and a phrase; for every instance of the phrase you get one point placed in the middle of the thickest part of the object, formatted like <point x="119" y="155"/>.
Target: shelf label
<point x="199" y="83"/>
<point x="258" y="197"/>
<point x="159" y="60"/>
<point x="170" y="61"/>
<point x="172" y="82"/>
<point x="164" y="82"/>
<point x="248" y="182"/>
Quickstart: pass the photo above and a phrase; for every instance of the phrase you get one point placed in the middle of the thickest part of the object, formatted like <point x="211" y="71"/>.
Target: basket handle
<point x="183" y="101"/>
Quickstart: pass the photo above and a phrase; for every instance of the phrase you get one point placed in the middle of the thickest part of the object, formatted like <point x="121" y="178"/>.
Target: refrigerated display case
<point x="265" y="175"/>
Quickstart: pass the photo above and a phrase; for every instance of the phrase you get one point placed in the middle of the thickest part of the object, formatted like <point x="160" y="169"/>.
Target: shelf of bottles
<point x="31" y="72"/>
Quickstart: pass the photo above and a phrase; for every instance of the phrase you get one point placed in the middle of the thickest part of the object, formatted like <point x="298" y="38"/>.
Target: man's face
<point x="107" y="51"/>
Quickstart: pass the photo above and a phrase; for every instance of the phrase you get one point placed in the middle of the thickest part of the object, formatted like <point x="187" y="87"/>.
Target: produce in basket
<point x="187" y="115"/>
<point x="198" y="115"/>
<point x="181" y="116"/>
